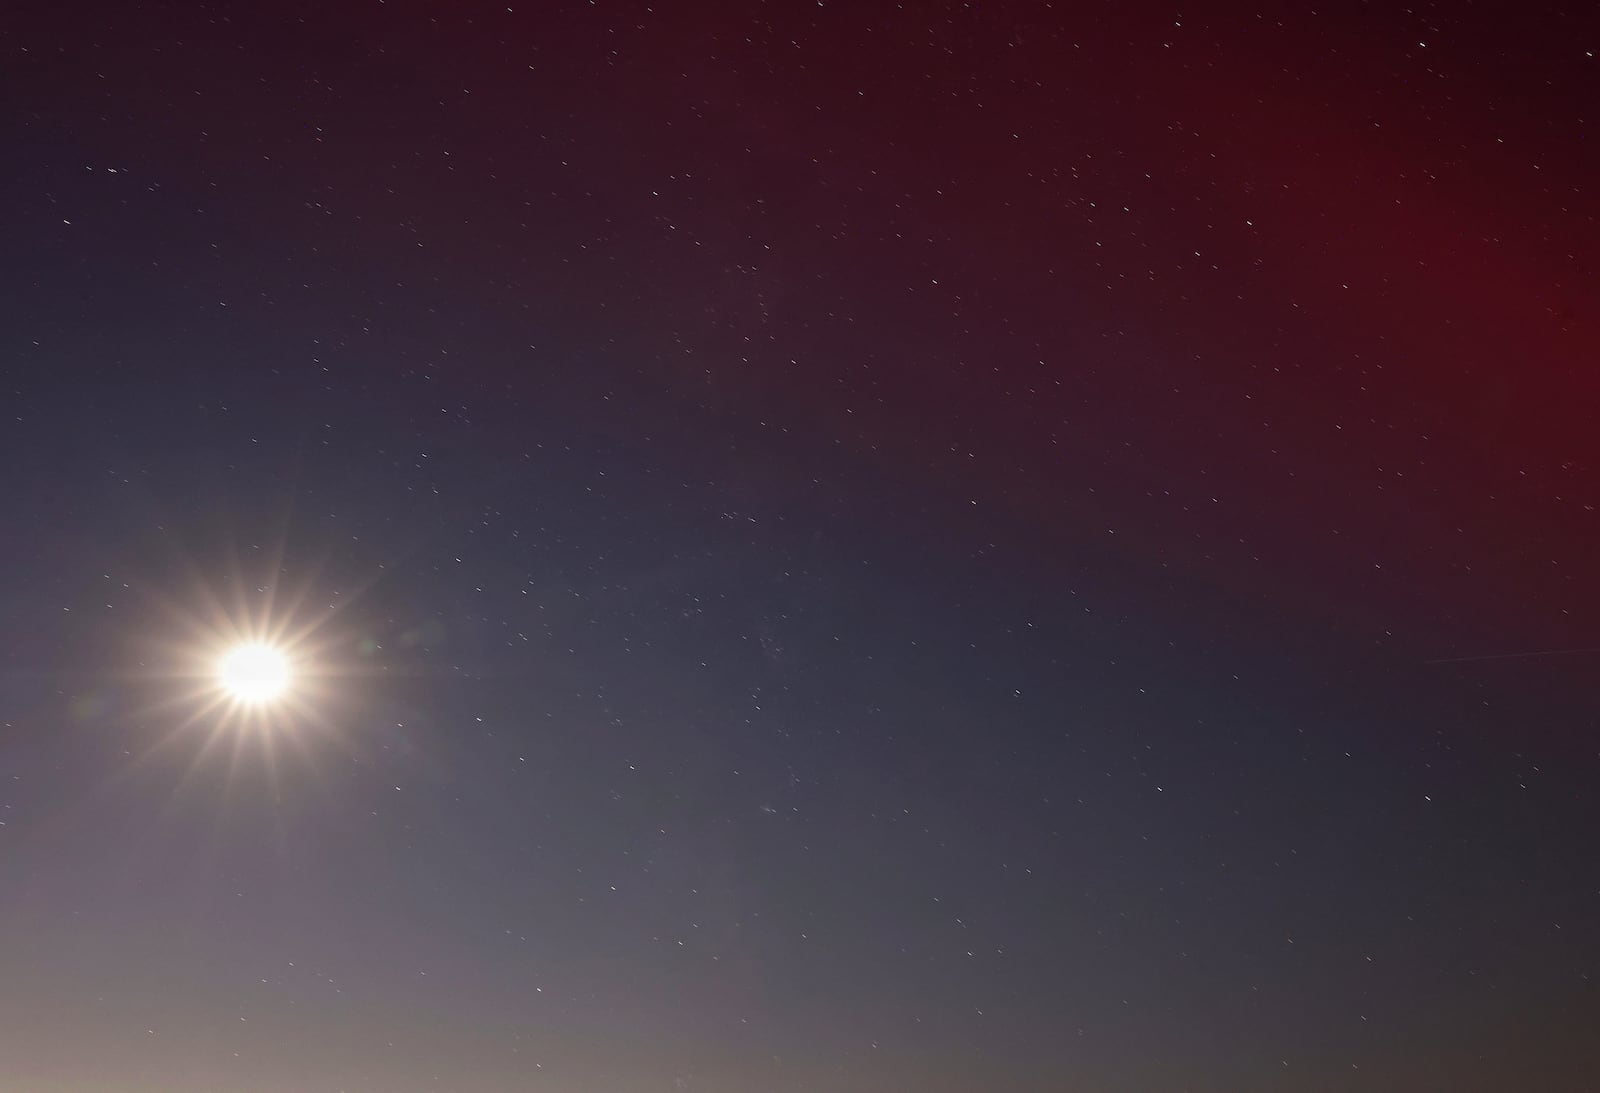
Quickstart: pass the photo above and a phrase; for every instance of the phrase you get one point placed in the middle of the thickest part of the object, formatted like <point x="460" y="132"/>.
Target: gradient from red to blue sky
<point x="832" y="547"/>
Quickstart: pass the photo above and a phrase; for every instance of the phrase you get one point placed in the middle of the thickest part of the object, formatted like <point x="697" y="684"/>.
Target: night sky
<point x="833" y="547"/>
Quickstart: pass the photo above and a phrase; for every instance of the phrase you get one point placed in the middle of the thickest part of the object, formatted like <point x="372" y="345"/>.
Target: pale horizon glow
<point x="254" y="673"/>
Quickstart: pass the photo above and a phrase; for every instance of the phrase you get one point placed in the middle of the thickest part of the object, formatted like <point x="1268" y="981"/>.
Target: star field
<point x="824" y="547"/>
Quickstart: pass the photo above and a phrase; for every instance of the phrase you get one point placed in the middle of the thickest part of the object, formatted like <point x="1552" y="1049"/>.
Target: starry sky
<point x="835" y="547"/>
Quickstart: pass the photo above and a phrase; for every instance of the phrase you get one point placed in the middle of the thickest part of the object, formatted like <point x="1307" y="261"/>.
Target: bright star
<point x="253" y="673"/>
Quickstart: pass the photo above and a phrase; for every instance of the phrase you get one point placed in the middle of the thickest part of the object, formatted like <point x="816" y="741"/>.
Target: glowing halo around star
<point x="250" y="664"/>
<point x="260" y="676"/>
<point x="247" y="662"/>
